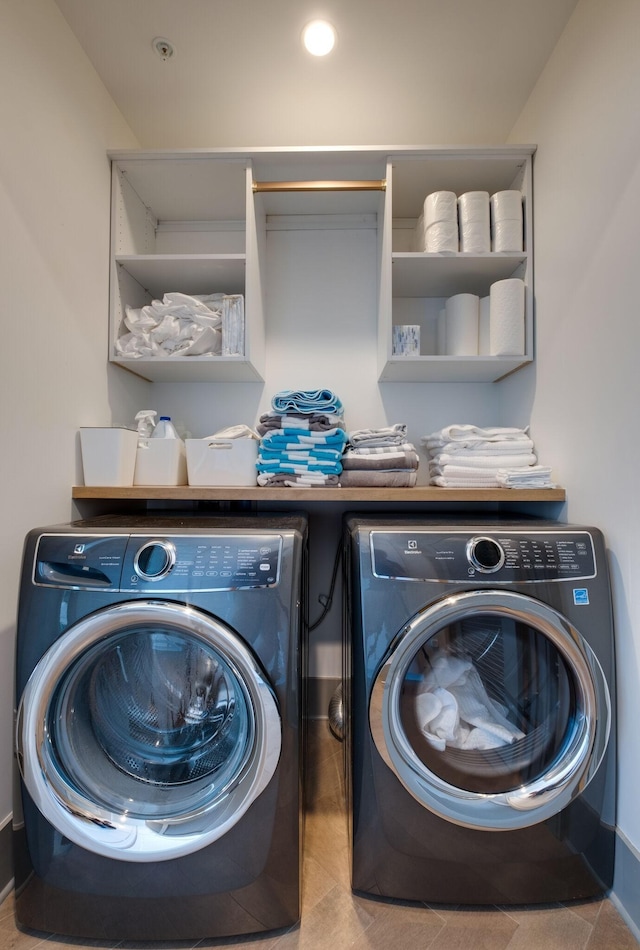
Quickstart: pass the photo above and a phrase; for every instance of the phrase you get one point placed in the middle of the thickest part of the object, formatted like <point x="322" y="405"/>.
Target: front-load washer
<point x="479" y="710"/>
<point x="159" y="683"/>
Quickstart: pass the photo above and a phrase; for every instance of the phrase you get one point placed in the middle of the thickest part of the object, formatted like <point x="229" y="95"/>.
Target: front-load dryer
<point x="159" y="680"/>
<point x="479" y="710"/>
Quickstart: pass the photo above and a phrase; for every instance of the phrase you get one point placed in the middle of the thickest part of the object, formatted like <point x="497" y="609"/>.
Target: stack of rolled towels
<point x="468" y="456"/>
<point x="302" y="440"/>
<point x="379" y="458"/>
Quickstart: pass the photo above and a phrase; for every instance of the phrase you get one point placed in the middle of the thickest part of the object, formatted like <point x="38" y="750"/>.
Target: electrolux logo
<point x="412" y="547"/>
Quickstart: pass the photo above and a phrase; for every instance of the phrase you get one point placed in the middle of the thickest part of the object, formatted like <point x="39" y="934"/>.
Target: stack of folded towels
<point x="467" y="456"/>
<point x="379" y="458"/>
<point x="301" y="440"/>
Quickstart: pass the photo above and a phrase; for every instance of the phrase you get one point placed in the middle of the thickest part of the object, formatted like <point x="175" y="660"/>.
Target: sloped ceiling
<point x="403" y="72"/>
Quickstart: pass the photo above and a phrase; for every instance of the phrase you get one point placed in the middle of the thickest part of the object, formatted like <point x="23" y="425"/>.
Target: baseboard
<point x="6" y="859"/>
<point x="626" y="884"/>
<point x="319" y="693"/>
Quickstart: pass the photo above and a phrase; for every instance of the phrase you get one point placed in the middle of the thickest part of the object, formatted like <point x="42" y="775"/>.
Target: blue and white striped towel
<point x="307" y="401"/>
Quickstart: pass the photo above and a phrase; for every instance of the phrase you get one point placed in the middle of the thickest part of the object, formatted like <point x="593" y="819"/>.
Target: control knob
<point x="154" y="560"/>
<point x="485" y="555"/>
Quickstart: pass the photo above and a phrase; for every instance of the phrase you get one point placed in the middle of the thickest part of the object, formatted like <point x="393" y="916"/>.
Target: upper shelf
<point x="199" y="272"/>
<point x="435" y="275"/>
<point x="449" y="369"/>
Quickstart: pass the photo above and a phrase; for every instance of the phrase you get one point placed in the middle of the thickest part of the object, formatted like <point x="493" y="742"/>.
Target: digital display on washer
<point x="171" y="564"/>
<point x="483" y="556"/>
<point x="202" y="563"/>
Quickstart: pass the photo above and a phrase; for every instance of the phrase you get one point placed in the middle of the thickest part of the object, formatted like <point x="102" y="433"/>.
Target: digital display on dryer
<point x="448" y="556"/>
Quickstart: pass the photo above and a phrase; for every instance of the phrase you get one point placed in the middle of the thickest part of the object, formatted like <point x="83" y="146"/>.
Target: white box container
<point x="222" y="461"/>
<point x="108" y="455"/>
<point x="160" y="462"/>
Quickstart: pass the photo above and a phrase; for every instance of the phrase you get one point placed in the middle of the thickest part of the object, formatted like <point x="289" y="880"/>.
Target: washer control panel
<point x="492" y="556"/>
<point x="150" y="563"/>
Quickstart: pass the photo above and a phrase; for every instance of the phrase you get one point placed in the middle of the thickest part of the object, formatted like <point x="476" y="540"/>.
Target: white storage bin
<point x="222" y="461"/>
<point x="160" y="462"/>
<point x="108" y="454"/>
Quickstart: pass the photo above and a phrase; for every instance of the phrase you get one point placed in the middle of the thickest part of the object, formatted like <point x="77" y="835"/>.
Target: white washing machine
<point x="479" y="710"/>
<point x="159" y="682"/>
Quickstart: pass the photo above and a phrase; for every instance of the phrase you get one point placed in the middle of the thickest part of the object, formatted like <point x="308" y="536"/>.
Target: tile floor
<point x="334" y="919"/>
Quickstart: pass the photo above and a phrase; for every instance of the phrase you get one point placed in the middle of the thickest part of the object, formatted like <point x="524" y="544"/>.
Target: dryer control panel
<point x="492" y="556"/>
<point x="149" y="563"/>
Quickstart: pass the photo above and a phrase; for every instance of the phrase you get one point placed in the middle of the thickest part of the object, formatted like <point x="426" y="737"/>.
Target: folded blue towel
<point x="307" y="401"/>
<point x="308" y="441"/>
<point x="300" y="468"/>
<point x="305" y="433"/>
<point x="318" y="455"/>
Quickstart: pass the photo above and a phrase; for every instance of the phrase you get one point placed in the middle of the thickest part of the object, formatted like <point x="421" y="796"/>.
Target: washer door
<point x="146" y="731"/>
<point x="491" y="709"/>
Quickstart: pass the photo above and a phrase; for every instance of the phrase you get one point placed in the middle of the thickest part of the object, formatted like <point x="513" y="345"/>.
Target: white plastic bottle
<point x="165" y="429"/>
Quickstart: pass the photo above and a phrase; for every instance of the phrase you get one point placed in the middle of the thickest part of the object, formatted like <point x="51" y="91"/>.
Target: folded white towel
<point x="486" y="480"/>
<point x="479" y="447"/>
<point x="471" y="433"/>
<point x="469" y="471"/>
<point x="439" y="463"/>
<point x="537" y="476"/>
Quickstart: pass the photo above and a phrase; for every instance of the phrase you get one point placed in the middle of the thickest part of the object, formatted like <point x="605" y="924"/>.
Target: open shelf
<point x="417" y="494"/>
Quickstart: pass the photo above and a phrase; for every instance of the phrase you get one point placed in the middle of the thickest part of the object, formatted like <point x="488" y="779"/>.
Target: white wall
<point x="321" y="333"/>
<point x="584" y="387"/>
<point x="57" y="122"/>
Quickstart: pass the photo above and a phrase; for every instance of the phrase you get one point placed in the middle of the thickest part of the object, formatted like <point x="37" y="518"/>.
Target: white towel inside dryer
<point x="454" y="709"/>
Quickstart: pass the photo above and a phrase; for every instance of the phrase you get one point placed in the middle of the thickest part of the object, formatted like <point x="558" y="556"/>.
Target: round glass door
<point x="491" y="710"/>
<point x="146" y="731"/>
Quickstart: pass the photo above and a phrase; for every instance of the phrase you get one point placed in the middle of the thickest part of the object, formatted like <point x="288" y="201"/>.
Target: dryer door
<point x="146" y="731"/>
<point x="491" y="709"/>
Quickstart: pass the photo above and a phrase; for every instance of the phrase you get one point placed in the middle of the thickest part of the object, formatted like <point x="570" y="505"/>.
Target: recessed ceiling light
<point x="319" y="37"/>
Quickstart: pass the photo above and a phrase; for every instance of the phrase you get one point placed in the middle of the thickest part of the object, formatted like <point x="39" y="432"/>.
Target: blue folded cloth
<point x="307" y="401"/>
<point x="317" y="455"/>
<point x="300" y="468"/>
<point x="335" y="439"/>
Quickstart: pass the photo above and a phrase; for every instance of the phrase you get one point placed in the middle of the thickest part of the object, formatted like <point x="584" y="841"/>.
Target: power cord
<point x="324" y="599"/>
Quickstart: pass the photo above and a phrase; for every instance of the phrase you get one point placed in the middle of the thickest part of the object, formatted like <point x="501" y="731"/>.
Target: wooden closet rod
<point x="264" y="186"/>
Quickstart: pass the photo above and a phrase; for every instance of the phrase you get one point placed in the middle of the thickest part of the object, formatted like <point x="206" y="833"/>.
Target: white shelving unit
<point x="414" y="285"/>
<point x="192" y="221"/>
<point x="187" y="224"/>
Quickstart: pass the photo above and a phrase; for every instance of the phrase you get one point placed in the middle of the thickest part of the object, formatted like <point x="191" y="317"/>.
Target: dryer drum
<point x="491" y="710"/>
<point x="514" y="700"/>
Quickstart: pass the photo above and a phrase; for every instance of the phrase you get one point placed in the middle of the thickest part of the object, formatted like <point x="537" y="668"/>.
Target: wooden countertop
<point x="254" y="493"/>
